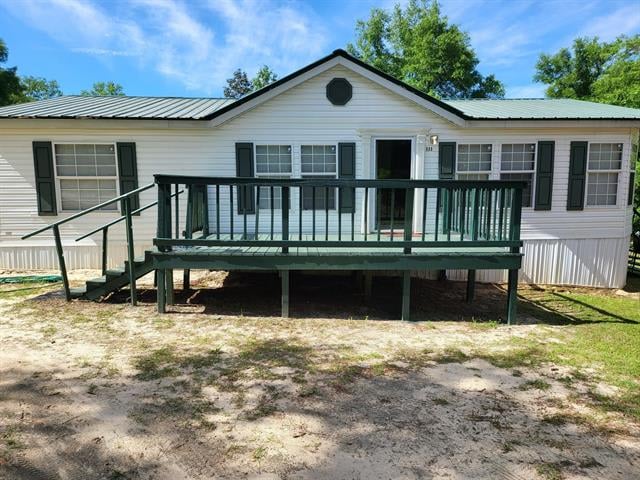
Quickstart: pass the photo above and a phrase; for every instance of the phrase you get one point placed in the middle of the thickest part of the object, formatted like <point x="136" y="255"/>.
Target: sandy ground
<point x="106" y="391"/>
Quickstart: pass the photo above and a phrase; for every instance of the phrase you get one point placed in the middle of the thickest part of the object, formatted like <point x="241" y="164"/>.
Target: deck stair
<point x="114" y="279"/>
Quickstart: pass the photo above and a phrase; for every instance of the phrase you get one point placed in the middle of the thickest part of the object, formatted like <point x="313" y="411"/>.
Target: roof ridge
<point x="75" y="95"/>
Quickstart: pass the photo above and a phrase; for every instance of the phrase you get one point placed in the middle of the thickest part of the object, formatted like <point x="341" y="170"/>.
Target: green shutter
<point x="128" y="171"/>
<point x="577" y="175"/>
<point x="447" y="160"/>
<point x="632" y="185"/>
<point x="244" y="169"/>
<point x="45" y="178"/>
<point x="347" y="169"/>
<point x="544" y="175"/>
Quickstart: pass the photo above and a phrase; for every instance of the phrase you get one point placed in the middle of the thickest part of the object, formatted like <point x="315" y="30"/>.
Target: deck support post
<point x="471" y="285"/>
<point x="368" y="280"/>
<point x="162" y="297"/>
<point x="512" y="296"/>
<point x="406" y="295"/>
<point x="169" y="287"/>
<point x="186" y="279"/>
<point x="284" y="276"/>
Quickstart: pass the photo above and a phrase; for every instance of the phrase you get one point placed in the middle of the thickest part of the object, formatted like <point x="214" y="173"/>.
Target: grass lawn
<point x="222" y="387"/>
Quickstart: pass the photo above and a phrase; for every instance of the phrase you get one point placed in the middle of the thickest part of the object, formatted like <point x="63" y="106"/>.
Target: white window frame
<point x="272" y="175"/>
<point x="532" y="172"/>
<point x="99" y="177"/>
<point x="319" y="175"/>
<point x="590" y="171"/>
<point x="473" y="172"/>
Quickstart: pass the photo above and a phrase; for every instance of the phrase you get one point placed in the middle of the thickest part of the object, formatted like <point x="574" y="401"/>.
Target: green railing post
<point x="285" y="217"/>
<point x="105" y="234"/>
<point x="164" y="212"/>
<point x="61" y="262"/>
<point x="514" y="233"/>
<point x="408" y="216"/>
<point x="126" y="207"/>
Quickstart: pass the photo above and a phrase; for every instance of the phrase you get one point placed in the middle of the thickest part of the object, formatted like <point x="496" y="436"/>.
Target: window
<point x="603" y="166"/>
<point x="272" y="161"/>
<point x="474" y="162"/>
<point x="318" y="161"/>
<point x="87" y="175"/>
<point x="517" y="162"/>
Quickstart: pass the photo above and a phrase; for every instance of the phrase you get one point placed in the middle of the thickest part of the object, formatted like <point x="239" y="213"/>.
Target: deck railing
<point x="330" y="213"/>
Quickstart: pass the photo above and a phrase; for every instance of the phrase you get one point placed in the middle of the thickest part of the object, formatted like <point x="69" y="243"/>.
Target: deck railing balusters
<point x="231" y="209"/>
<point x="272" y="208"/>
<point x="449" y="213"/>
<point x="326" y="213"/>
<point x="378" y="212"/>
<point x="313" y="213"/>
<point x="177" y="207"/>
<point x="217" y="211"/>
<point x="425" y="195"/>
<point x="366" y="212"/>
<point x="408" y="216"/>
<point x="285" y="217"/>
<point x="246" y="197"/>
<point x="257" y="229"/>
<point x="105" y="243"/>
<point x="299" y="213"/>
<point x="437" y="217"/>
<point x="353" y="217"/>
<point x="339" y="217"/>
<point x="463" y="201"/>
<point x="393" y="208"/>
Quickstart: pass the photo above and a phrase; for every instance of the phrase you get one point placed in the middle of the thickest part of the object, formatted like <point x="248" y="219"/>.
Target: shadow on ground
<point x="342" y="297"/>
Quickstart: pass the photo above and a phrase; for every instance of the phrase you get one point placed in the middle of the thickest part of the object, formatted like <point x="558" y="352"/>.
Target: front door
<point x="393" y="161"/>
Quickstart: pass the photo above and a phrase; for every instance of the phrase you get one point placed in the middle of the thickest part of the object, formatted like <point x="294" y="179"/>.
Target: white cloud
<point x="533" y="90"/>
<point x="625" y="20"/>
<point x="198" y="45"/>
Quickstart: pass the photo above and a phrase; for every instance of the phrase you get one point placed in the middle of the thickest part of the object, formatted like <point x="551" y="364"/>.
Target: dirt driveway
<point x="223" y="388"/>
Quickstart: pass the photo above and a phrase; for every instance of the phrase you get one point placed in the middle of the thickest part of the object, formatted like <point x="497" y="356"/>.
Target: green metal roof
<point x="541" y="109"/>
<point x="118" y="107"/>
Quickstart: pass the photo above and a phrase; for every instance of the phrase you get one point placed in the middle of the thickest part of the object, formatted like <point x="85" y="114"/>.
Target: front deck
<point x="475" y="225"/>
<point x="330" y="224"/>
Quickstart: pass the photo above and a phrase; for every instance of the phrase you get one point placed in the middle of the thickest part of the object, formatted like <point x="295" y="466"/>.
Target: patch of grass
<point x="166" y="362"/>
<point x="440" y="401"/>
<point x="450" y="355"/>
<point x="157" y="364"/>
<point x="550" y="471"/>
<point x="536" y="384"/>
<point x="259" y="453"/>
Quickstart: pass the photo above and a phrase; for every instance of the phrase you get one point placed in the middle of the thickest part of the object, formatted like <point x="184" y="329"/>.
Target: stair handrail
<point x="125" y="199"/>
<point x="120" y="219"/>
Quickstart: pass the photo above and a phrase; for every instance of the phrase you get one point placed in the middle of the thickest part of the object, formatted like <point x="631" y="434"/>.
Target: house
<point x="66" y="154"/>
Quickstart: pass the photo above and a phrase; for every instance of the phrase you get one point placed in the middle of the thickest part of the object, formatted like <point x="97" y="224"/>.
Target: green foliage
<point x="238" y="85"/>
<point x="605" y="72"/>
<point x="38" y="88"/>
<point x="10" y="86"/>
<point x="419" y="46"/>
<point x="104" y="89"/>
<point x="264" y="77"/>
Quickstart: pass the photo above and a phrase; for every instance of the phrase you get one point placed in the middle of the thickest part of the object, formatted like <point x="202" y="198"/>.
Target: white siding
<point x="299" y="116"/>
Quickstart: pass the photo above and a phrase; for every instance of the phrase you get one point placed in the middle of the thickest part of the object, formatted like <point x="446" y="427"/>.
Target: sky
<point x="190" y="47"/>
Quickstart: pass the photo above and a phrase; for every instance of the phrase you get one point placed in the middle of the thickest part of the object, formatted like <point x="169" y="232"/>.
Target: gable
<point x="352" y="67"/>
<point x="306" y="108"/>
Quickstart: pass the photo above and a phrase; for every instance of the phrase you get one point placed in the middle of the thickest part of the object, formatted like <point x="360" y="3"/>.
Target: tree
<point x="10" y="86"/>
<point x="419" y="46"/>
<point x="104" y="89"/>
<point x="238" y="85"/>
<point x="264" y="77"/>
<point x="38" y="88"/>
<point x="606" y="72"/>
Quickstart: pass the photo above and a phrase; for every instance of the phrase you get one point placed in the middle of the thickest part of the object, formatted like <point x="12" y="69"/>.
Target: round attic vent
<point x="339" y="91"/>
